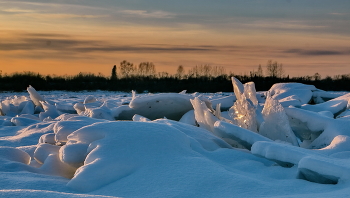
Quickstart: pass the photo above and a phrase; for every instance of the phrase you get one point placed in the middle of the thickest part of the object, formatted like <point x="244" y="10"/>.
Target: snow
<point x="244" y="137"/>
<point x="295" y="94"/>
<point x="112" y="144"/>
<point x="335" y="106"/>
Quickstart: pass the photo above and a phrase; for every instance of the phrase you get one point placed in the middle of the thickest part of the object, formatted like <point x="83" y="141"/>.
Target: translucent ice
<point x="203" y="115"/>
<point x="243" y="111"/>
<point x="35" y="96"/>
<point x="276" y="125"/>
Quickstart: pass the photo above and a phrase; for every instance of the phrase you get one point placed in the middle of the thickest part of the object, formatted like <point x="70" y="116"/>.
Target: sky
<point x="65" y="37"/>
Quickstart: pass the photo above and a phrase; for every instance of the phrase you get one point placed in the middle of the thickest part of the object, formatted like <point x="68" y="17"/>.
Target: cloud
<point x="339" y="14"/>
<point x="317" y="52"/>
<point x="48" y="10"/>
<point x="63" y="16"/>
<point x="284" y="25"/>
<point x="38" y="15"/>
<point x="148" y="14"/>
<point x="46" y="45"/>
<point x="17" y="10"/>
<point x="49" y="4"/>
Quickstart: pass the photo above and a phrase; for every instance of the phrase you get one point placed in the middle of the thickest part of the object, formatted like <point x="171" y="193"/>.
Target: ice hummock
<point x="276" y="125"/>
<point x="163" y="158"/>
<point x="243" y="111"/>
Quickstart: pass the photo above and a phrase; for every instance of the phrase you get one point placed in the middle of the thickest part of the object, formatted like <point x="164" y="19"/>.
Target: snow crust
<point x="109" y="144"/>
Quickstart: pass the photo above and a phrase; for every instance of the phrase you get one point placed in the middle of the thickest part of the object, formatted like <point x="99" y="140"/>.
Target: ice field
<point x="290" y="141"/>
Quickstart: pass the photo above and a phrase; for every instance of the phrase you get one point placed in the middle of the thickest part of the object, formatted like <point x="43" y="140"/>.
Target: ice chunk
<point x="288" y="154"/>
<point x="326" y="113"/>
<point x="238" y="87"/>
<point x="123" y="112"/>
<point x="13" y="106"/>
<point x="35" y="96"/>
<point x="38" y="109"/>
<point x="79" y="107"/>
<point x="65" y="108"/>
<point x="243" y="111"/>
<point x="335" y="106"/>
<point x="203" y="115"/>
<point x="101" y="112"/>
<point x="189" y="118"/>
<point x="139" y="118"/>
<point x="283" y="154"/>
<point x="8" y="109"/>
<point x="50" y="111"/>
<point x="320" y="96"/>
<point x="295" y="94"/>
<point x="324" y="170"/>
<point x="276" y="125"/>
<point x="325" y="129"/>
<point x="28" y="108"/>
<point x="344" y="115"/>
<point x="183" y="92"/>
<point x="226" y="102"/>
<point x="243" y="114"/>
<point x="90" y="99"/>
<point x="250" y="92"/>
<point x="242" y="136"/>
<point x="170" y="105"/>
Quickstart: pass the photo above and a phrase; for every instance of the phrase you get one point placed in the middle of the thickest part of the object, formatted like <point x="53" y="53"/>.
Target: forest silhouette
<point x="144" y="78"/>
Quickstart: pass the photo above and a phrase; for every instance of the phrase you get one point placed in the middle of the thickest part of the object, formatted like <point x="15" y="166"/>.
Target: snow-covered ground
<point x="290" y="141"/>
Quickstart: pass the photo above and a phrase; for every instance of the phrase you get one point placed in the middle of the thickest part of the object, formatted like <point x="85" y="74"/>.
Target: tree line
<point x="144" y="78"/>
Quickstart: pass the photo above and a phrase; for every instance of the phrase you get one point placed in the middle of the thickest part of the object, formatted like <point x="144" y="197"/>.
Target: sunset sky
<point x="71" y="36"/>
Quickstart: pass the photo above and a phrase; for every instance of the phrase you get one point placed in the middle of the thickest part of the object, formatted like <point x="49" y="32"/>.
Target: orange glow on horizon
<point x="61" y="45"/>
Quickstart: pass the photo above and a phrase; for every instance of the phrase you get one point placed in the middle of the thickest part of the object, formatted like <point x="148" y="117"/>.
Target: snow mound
<point x="14" y="154"/>
<point x="121" y="151"/>
<point x="64" y="128"/>
<point x="295" y="94"/>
